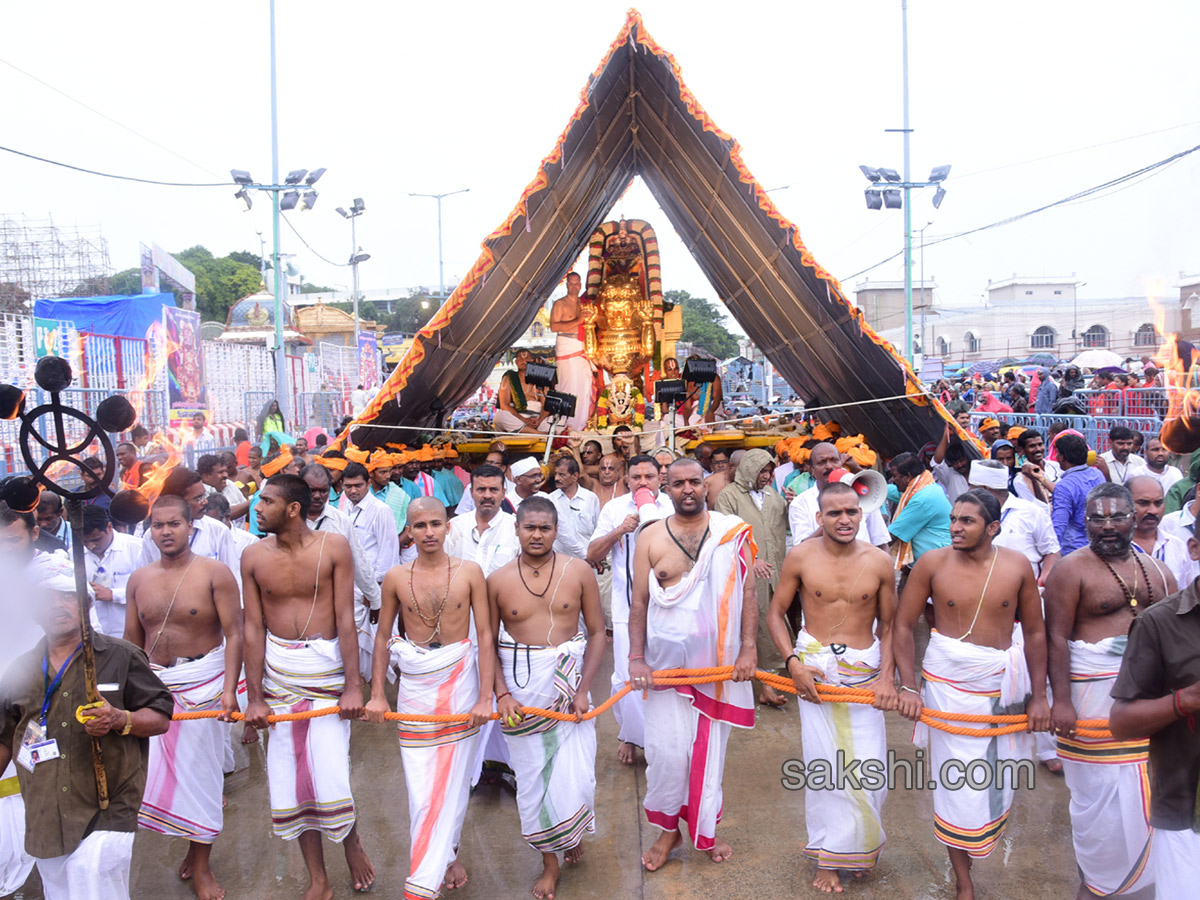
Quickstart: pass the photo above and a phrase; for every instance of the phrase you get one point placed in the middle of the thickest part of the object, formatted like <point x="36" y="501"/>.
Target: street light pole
<point x="924" y="296"/>
<point x="441" y="275"/>
<point x="281" y="380"/>
<point x="354" y="270"/>
<point x="908" y="320"/>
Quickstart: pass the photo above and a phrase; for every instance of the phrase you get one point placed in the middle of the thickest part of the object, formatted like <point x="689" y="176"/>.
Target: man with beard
<point x="802" y="512"/>
<point x="185" y="612"/>
<point x="590" y="455"/>
<point x="694" y="606"/>
<point x="1123" y="463"/>
<point x="977" y="662"/>
<point x="845" y="585"/>
<point x="552" y="663"/>
<point x="1038" y="475"/>
<point x="615" y="543"/>
<point x="1088" y="616"/>
<point x="486" y="535"/>
<point x="1156" y="465"/>
<point x="435" y="600"/>
<point x="301" y="646"/>
<point x="1165" y="550"/>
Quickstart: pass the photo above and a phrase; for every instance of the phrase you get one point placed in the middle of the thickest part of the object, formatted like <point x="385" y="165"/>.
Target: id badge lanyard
<point x="52" y="686"/>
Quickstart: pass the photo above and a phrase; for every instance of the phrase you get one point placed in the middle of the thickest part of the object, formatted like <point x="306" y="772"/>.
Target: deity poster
<point x="185" y="362"/>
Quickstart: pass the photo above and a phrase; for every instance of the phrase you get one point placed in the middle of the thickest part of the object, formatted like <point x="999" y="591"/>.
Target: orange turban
<point x="439" y="452"/>
<point x="780" y="447"/>
<point x="799" y="454"/>
<point x="337" y="463"/>
<point x="987" y="423"/>
<point x="1015" y="432"/>
<point x="378" y="460"/>
<point x="822" y="432"/>
<point x="278" y="463"/>
<point x="451" y="453"/>
<point x="355" y="455"/>
<point x="425" y="454"/>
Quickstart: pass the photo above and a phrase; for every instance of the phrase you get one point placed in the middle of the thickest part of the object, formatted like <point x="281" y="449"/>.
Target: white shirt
<point x="515" y="499"/>
<point x="209" y="538"/>
<point x="335" y="521"/>
<point x="782" y="474"/>
<point x="492" y="548"/>
<point x="232" y="493"/>
<point x="1024" y="488"/>
<point x="577" y="517"/>
<point x="621" y="556"/>
<point x="112" y="570"/>
<point x="1172" y="553"/>
<point x="1026" y="527"/>
<point x="376" y="528"/>
<point x="1122" y="472"/>
<point x="204" y="441"/>
<point x="358" y="401"/>
<point x="467" y="503"/>
<point x="1178" y="523"/>
<point x="802" y="519"/>
<point x="951" y="481"/>
<point x="1167" y="477"/>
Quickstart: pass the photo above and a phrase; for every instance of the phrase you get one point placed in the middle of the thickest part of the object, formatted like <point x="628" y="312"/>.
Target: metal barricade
<point x="1095" y="429"/>
<point x="253" y="402"/>
<point x="322" y="409"/>
<point x="1102" y="403"/>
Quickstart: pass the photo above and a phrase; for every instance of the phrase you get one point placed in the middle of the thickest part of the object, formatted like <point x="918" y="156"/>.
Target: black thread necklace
<point x="536" y="572"/>
<point x="703" y="538"/>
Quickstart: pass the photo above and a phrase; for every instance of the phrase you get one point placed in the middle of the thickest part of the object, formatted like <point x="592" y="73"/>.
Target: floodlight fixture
<point x="244" y="195"/>
<point x="295" y="176"/>
<point x="309" y="200"/>
<point x="559" y="404"/>
<point x="289" y="200"/>
<point x="874" y="199"/>
<point x="541" y="374"/>
<point x="892" y="199"/>
<point x="939" y="173"/>
<point x="241" y="176"/>
<point x="359" y="257"/>
<point x="314" y="175"/>
<point x="670" y="390"/>
<point x="938" y="197"/>
<point x="698" y="370"/>
<point x="358" y="205"/>
<point x="872" y="173"/>
<point x="889" y="174"/>
<point x="342" y="212"/>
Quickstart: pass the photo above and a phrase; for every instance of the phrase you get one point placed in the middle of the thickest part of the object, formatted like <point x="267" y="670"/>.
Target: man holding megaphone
<point x="824" y="464"/>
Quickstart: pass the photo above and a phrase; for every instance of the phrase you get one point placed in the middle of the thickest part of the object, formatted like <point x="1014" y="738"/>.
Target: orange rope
<point x="1090" y="728"/>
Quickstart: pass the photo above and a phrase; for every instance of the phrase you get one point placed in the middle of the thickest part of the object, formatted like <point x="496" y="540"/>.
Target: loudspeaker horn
<point x="870" y="486"/>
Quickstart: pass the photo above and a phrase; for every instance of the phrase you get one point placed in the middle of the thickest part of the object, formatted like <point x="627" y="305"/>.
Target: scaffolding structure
<point x="39" y="259"/>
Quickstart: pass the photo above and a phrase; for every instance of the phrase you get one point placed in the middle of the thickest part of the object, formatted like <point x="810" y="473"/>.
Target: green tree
<point x="220" y="281"/>
<point x="307" y="288"/>
<point x="126" y="282"/>
<point x="245" y="256"/>
<point x="703" y="324"/>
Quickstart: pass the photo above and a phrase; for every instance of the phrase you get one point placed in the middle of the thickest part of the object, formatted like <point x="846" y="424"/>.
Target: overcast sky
<point x="1029" y="101"/>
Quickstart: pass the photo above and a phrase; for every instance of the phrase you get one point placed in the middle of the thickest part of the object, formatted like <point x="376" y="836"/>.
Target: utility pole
<point x="281" y="379"/>
<point x="908" y="319"/>
<point x="441" y="274"/>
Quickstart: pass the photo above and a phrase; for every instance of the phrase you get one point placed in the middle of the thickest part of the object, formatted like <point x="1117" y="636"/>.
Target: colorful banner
<point x="394" y="345"/>
<point x="185" y="363"/>
<point x="368" y="360"/>
<point x="47" y="337"/>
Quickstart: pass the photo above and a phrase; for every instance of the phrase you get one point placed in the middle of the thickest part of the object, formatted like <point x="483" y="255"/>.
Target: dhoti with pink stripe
<point x="437" y="756"/>
<point x="308" y="760"/>
<point x="692" y="625"/>
<point x="185" y="778"/>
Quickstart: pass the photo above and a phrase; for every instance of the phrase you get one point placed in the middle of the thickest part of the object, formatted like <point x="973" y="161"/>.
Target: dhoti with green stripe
<point x="554" y="761"/>
<point x="845" y="829"/>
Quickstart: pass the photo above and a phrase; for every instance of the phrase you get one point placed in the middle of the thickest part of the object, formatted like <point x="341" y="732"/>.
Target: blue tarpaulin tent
<point x="122" y="316"/>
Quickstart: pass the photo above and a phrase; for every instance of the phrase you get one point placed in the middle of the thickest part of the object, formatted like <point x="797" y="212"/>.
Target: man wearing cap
<point x="802" y="511"/>
<point x="446" y="485"/>
<point x="1071" y="492"/>
<point x="394" y="497"/>
<point x="415" y="482"/>
<point x="527" y="476"/>
<point x="989" y="430"/>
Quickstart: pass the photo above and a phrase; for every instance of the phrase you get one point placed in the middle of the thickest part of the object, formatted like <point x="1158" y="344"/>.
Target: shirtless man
<point x="609" y="483"/>
<point x="693" y="607"/>
<point x="301" y="651"/>
<point x="435" y="599"/>
<point x="555" y="765"/>
<point x="567" y="318"/>
<point x="1088" y="615"/>
<point x="185" y="612"/>
<point x="975" y="653"/>
<point x="845" y="585"/>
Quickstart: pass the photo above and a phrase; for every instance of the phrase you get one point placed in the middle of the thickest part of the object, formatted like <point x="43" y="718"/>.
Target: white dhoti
<point x="630" y="709"/>
<point x="574" y="377"/>
<point x="1175" y="861"/>
<point x="98" y="869"/>
<point x="366" y="638"/>
<point x="503" y="420"/>
<point x="555" y="762"/>
<point x="968" y="678"/>
<point x="308" y="760"/>
<point x="691" y="625"/>
<point x="15" y="863"/>
<point x="437" y="757"/>
<point x="185" y="778"/>
<point x="845" y="828"/>
<point x="1110" y="788"/>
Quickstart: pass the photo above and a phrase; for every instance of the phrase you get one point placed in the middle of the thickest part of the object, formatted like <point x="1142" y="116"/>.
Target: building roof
<point x="322" y="319"/>
<point x="636" y="117"/>
<point x="256" y="311"/>
<point x="1032" y="279"/>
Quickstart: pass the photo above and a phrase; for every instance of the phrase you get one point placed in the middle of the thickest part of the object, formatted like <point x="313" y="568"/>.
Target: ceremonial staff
<point x="113" y="414"/>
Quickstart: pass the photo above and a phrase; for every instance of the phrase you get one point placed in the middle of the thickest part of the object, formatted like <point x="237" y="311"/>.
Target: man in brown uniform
<point x="551" y="664"/>
<point x="1092" y="597"/>
<point x="437" y="599"/>
<point x="184" y="610"/>
<point x="978" y="663"/>
<point x="845" y="585"/>
<point x="301" y="654"/>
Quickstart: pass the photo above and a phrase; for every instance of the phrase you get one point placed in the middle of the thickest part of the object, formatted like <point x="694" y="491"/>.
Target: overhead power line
<point x="87" y="171"/>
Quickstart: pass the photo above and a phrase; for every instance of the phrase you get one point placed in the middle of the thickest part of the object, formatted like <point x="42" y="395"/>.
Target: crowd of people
<point x="1053" y="581"/>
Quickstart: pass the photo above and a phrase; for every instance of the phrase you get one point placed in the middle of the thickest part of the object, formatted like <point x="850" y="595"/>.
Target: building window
<point x="1146" y="336"/>
<point x="1029" y="293"/>
<point x="1096" y="336"/>
<point x="1057" y="293"/>
<point x="1042" y="338"/>
<point x="974" y="345"/>
<point x="943" y="347"/>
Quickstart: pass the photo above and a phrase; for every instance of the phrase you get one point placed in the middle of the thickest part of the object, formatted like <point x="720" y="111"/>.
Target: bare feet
<point x="827" y="880"/>
<point x="768" y="696"/>
<point x="544" y="887"/>
<point x="625" y="753"/>
<point x="575" y="854"/>
<point x="185" y="867"/>
<point x="1053" y="766"/>
<point x="206" y="885"/>
<point x="361" y="869"/>
<point x="320" y="889"/>
<point x="249" y="735"/>
<point x="721" y="851"/>
<point x="456" y="876"/>
<point x="654" y="858"/>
